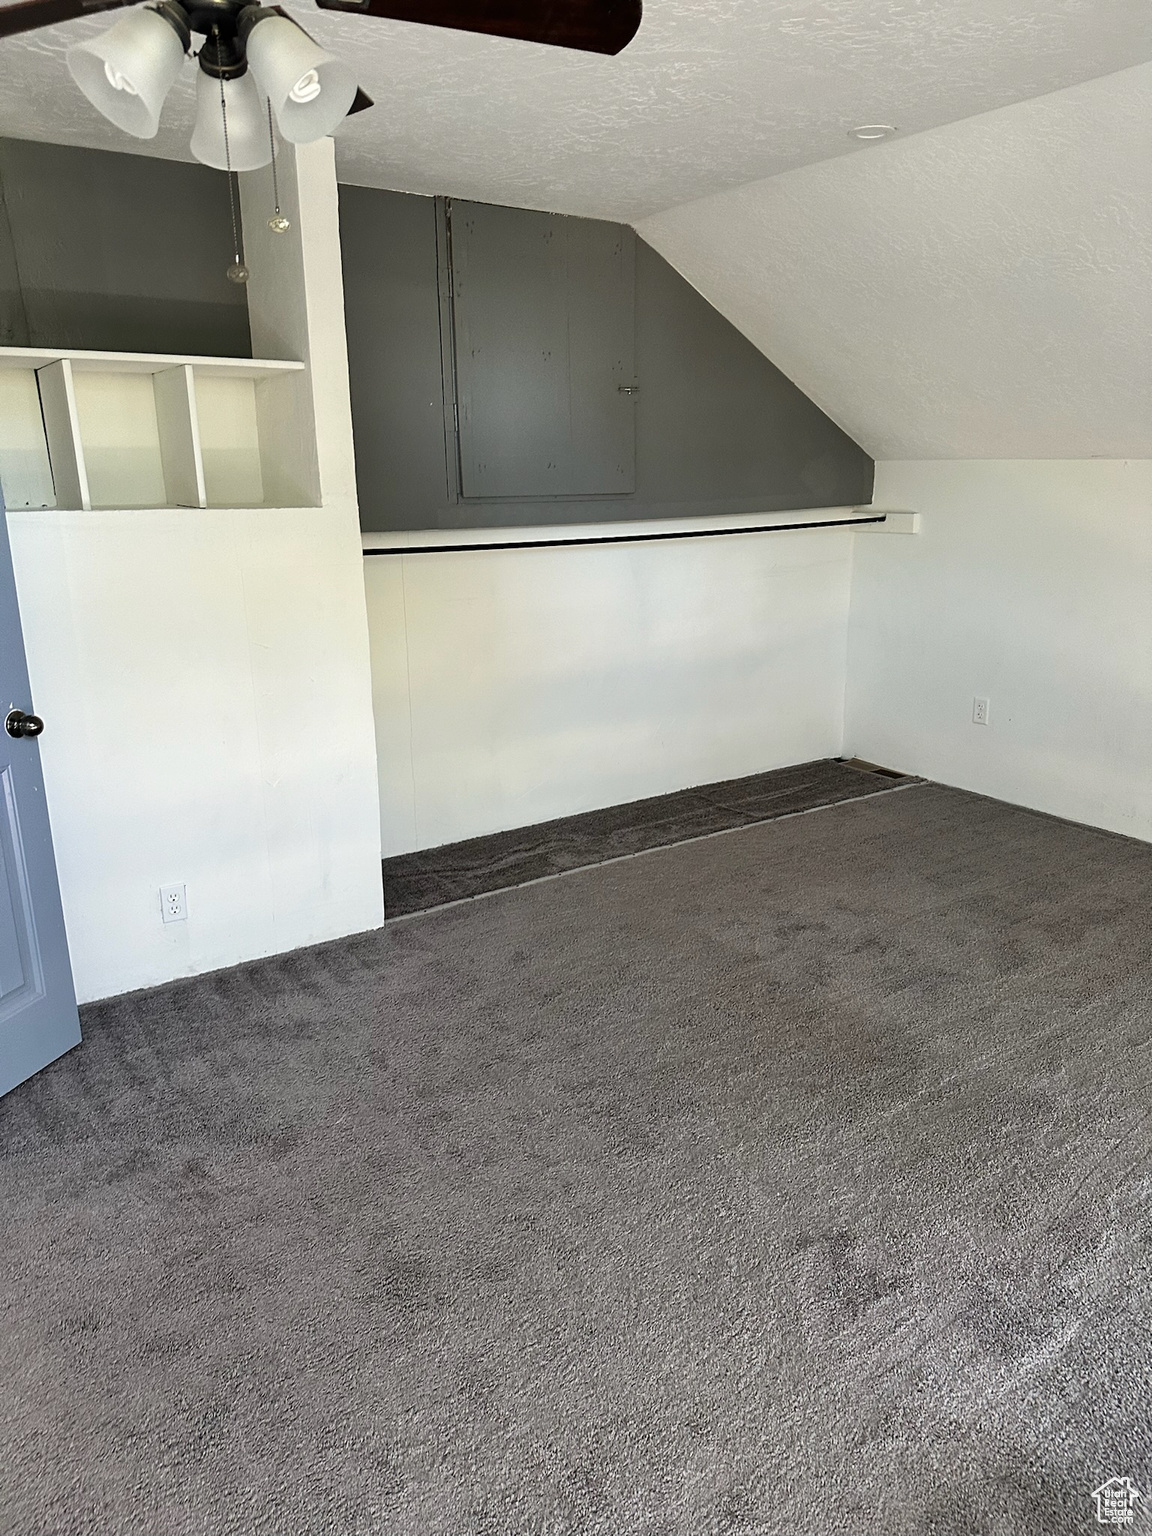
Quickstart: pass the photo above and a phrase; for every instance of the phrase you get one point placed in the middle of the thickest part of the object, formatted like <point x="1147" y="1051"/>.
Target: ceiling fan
<point x="256" y="63"/>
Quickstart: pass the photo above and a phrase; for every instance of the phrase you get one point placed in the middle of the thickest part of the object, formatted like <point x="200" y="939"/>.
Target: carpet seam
<point x="622" y="858"/>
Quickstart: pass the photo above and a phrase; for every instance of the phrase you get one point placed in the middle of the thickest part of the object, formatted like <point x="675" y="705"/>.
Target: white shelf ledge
<point x="647" y="530"/>
<point x="899" y="522"/>
<point x="145" y="362"/>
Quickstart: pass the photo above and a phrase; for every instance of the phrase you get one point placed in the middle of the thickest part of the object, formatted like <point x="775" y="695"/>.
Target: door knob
<point x="19" y="724"/>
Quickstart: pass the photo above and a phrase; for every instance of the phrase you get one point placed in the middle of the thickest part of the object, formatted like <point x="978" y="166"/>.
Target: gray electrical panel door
<point x="544" y="333"/>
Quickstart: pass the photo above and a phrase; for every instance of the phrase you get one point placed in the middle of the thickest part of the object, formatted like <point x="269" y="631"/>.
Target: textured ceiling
<point x="983" y="290"/>
<point x="712" y="94"/>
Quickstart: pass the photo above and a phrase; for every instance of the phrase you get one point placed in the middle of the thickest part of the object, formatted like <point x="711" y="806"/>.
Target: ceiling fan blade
<point x="28" y="15"/>
<point x="594" y="26"/>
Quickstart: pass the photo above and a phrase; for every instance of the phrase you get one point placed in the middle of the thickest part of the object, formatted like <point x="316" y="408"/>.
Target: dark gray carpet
<point x="793" y="1180"/>
<point x="416" y="882"/>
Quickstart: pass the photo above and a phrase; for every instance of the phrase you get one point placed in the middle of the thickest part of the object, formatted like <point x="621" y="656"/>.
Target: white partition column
<point x="296" y="310"/>
<point x="203" y="671"/>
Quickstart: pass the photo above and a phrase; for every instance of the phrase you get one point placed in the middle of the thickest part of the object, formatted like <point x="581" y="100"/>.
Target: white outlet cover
<point x="980" y="712"/>
<point x="173" y="903"/>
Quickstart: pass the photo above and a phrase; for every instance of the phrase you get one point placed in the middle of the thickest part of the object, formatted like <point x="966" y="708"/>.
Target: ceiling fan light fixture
<point x="248" y="145"/>
<point x="127" y="72"/>
<point x="309" y="88"/>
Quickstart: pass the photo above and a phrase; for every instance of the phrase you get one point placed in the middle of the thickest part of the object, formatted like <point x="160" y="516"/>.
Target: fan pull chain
<point x="278" y="224"/>
<point x="237" y="272"/>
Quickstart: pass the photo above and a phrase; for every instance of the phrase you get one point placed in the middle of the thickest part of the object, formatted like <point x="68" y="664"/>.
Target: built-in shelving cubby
<point x="84" y="430"/>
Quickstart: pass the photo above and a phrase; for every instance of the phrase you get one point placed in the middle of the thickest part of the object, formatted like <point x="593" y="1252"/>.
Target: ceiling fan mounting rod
<point x="205" y="15"/>
<point x="225" y="23"/>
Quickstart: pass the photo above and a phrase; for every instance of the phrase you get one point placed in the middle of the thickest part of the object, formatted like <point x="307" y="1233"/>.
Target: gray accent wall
<point x="116" y="252"/>
<point x="717" y="428"/>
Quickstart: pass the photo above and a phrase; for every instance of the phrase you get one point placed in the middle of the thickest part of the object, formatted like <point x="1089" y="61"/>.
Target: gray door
<point x="544" y="325"/>
<point x="38" y="1018"/>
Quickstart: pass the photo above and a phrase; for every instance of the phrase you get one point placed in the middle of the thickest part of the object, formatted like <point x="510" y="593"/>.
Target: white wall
<point x="1029" y="583"/>
<point x="512" y="686"/>
<point x="204" y="679"/>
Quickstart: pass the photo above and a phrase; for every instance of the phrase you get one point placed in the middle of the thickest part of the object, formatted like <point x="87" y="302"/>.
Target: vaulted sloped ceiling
<point x="980" y="290"/>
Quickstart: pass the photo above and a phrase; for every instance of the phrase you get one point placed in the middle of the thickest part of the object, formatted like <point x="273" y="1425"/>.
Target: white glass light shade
<point x="249" y="143"/>
<point x="127" y="71"/>
<point x="310" y="90"/>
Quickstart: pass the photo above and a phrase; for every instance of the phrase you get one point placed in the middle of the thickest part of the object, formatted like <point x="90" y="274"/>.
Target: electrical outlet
<point x="173" y="903"/>
<point x="979" y="711"/>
